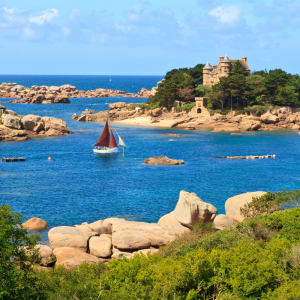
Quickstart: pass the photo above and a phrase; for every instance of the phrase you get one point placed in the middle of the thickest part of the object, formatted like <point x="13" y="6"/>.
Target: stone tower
<point x="212" y="74"/>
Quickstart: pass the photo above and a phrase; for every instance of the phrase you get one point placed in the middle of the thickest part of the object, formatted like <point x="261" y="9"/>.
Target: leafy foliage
<point x="179" y="84"/>
<point x="17" y="256"/>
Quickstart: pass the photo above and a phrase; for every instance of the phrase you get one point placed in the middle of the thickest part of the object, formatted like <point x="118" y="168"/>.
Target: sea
<point x="76" y="186"/>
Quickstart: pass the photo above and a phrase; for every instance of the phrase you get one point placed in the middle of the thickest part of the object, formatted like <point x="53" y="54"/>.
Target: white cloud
<point x="226" y="15"/>
<point x="45" y="17"/>
<point x="29" y="33"/>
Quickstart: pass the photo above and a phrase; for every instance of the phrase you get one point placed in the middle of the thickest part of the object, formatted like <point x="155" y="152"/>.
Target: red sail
<point x="112" y="143"/>
<point x="104" y="138"/>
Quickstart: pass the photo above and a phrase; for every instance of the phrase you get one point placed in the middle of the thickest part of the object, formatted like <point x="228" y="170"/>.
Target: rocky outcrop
<point x="14" y="127"/>
<point x="119" y="238"/>
<point x="163" y="160"/>
<point x="35" y="224"/>
<point x="190" y="210"/>
<point x="60" y="94"/>
<point x="234" y="204"/>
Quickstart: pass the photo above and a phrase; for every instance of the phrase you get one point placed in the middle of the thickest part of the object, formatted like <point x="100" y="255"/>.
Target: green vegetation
<point x="179" y="84"/>
<point x="255" y="92"/>
<point x="259" y="89"/>
<point x="257" y="259"/>
<point x="17" y="256"/>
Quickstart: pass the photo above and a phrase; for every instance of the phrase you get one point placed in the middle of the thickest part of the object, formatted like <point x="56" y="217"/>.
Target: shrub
<point x="17" y="256"/>
<point x="131" y="106"/>
<point x="188" y="106"/>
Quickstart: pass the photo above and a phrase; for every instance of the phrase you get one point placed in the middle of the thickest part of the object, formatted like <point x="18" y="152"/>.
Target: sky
<point x="133" y="37"/>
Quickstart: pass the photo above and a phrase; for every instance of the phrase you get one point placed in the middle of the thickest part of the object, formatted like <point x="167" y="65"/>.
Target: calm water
<point x="77" y="186"/>
<point x="131" y="84"/>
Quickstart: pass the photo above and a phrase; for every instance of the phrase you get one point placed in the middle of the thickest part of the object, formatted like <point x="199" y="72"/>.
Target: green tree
<point x="17" y="256"/>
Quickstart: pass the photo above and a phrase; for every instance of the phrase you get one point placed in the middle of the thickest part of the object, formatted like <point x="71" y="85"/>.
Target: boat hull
<point x="104" y="151"/>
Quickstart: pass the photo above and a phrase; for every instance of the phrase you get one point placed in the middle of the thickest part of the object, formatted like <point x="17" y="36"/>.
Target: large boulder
<point x="54" y="123"/>
<point x="101" y="246"/>
<point x="163" y="160"/>
<point x="11" y="121"/>
<point x="35" y="224"/>
<point x="45" y="254"/>
<point x="268" y="118"/>
<point x="223" y="222"/>
<point x="130" y="235"/>
<point x="190" y="210"/>
<point x="71" y="258"/>
<point x="101" y="227"/>
<point x="30" y="121"/>
<point x="171" y="225"/>
<point x="130" y="240"/>
<point x="67" y="236"/>
<point x="9" y="134"/>
<point x="234" y="204"/>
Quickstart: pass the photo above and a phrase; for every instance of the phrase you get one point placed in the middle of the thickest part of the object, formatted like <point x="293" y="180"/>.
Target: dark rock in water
<point x="163" y="160"/>
<point x="13" y="159"/>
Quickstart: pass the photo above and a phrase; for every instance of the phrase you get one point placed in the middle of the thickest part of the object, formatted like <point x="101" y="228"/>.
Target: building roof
<point x="226" y="59"/>
<point x="207" y="66"/>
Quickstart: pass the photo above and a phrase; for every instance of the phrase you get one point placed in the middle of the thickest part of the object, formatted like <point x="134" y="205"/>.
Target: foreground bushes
<point x="258" y="259"/>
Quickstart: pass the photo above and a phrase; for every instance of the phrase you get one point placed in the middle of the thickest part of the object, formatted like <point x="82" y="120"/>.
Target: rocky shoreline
<point x="284" y="118"/>
<point x="112" y="238"/>
<point x="61" y="94"/>
<point x="14" y="127"/>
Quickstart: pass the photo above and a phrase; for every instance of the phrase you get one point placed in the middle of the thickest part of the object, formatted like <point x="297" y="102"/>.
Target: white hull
<point x="105" y="151"/>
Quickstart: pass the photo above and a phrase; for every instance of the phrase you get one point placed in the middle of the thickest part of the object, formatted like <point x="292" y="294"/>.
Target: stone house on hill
<point x="212" y="74"/>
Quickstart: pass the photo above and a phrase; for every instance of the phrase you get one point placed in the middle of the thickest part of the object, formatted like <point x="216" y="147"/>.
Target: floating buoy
<point x="49" y="158"/>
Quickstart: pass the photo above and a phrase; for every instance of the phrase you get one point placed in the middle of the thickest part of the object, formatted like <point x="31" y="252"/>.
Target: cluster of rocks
<point x="118" y="111"/>
<point x="60" y="94"/>
<point x="14" y="127"/>
<point x="163" y="160"/>
<point x="282" y="118"/>
<point x="118" y="238"/>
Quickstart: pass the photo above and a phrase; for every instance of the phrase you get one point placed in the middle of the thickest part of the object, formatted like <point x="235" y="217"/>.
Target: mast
<point x="104" y="137"/>
<point x="112" y="143"/>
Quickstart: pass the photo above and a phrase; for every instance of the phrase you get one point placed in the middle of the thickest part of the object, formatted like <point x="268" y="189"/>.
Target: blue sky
<point x="145" y="37"/>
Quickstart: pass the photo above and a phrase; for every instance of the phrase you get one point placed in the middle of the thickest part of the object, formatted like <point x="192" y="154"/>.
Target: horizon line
<point x="75" y="75"/>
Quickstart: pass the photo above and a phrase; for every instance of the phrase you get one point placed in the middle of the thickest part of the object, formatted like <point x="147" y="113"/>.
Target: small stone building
<point x="212" y="74"/>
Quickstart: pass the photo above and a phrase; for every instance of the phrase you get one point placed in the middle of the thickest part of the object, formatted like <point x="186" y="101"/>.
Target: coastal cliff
<point x="14" y="127"/>
<point x="283" y="118"/>
<point x="61" y="94"/>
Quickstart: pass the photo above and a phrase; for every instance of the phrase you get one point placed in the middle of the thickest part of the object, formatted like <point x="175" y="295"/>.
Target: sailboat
<point x="106" y="143"/>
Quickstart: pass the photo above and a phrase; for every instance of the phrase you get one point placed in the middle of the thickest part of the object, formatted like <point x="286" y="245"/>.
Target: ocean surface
<point x="130" y="84"/>
<point x="76" y="186"/>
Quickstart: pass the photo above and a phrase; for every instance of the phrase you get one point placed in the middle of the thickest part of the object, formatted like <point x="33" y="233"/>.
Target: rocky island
<point x="14" y="127"/>
<point x="61" y="94"/>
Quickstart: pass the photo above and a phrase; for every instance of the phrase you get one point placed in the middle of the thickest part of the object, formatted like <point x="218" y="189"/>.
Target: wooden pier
<point x="13" y="159"/>
<point x="248" y="157"/>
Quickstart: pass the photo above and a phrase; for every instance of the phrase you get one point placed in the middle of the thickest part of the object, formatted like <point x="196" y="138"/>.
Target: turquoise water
<point x="77" y="186"/>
